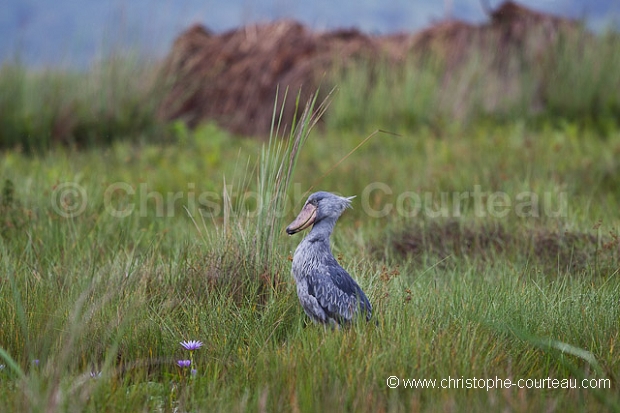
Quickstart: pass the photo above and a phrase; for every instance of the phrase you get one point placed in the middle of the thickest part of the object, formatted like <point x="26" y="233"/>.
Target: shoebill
<point x="326" y="291"/>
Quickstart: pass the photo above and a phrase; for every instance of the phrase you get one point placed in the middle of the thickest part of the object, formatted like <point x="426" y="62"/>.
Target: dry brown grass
<point x="233" y="77"/>
<point x="551" y="250"/>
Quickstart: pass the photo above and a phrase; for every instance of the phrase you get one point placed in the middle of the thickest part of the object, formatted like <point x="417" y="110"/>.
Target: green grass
<point x="95" y="292"/>
<point x="116" y="98"/>
<point x="575" y="79"/>
<point x="487" y="242"/>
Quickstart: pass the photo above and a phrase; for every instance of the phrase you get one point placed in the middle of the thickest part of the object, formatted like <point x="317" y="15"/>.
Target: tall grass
<point x="99" y="293"/>
<point x="251" y="229"/>
<point x="93" y="328"/>
<point x="583" y="81"/>
<point x="395" y="98"/>
<point x="575" y="79"/>
<point x="115" y="99"/>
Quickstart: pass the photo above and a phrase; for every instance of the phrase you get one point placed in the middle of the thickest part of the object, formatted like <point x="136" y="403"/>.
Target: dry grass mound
<point x="511" y="29"/>
<point x="233" y="77"/>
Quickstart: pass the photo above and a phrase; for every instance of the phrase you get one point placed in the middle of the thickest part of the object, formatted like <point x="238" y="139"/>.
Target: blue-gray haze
<point x="76" y="33"/>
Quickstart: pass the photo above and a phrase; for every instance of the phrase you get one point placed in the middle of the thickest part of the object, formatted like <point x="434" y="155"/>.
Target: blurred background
<point x="71" y="33"/>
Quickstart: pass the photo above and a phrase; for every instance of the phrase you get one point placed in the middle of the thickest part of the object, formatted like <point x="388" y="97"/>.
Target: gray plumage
<point x="326" y="291"/>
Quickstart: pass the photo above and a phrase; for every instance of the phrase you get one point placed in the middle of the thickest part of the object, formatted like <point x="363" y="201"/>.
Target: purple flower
<point x="194" y="372"/>
<point x="95" y="374"/>
<point x="36" y="362"/>
<point x="184" y="363"/>
<point x="191" y="345"/>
